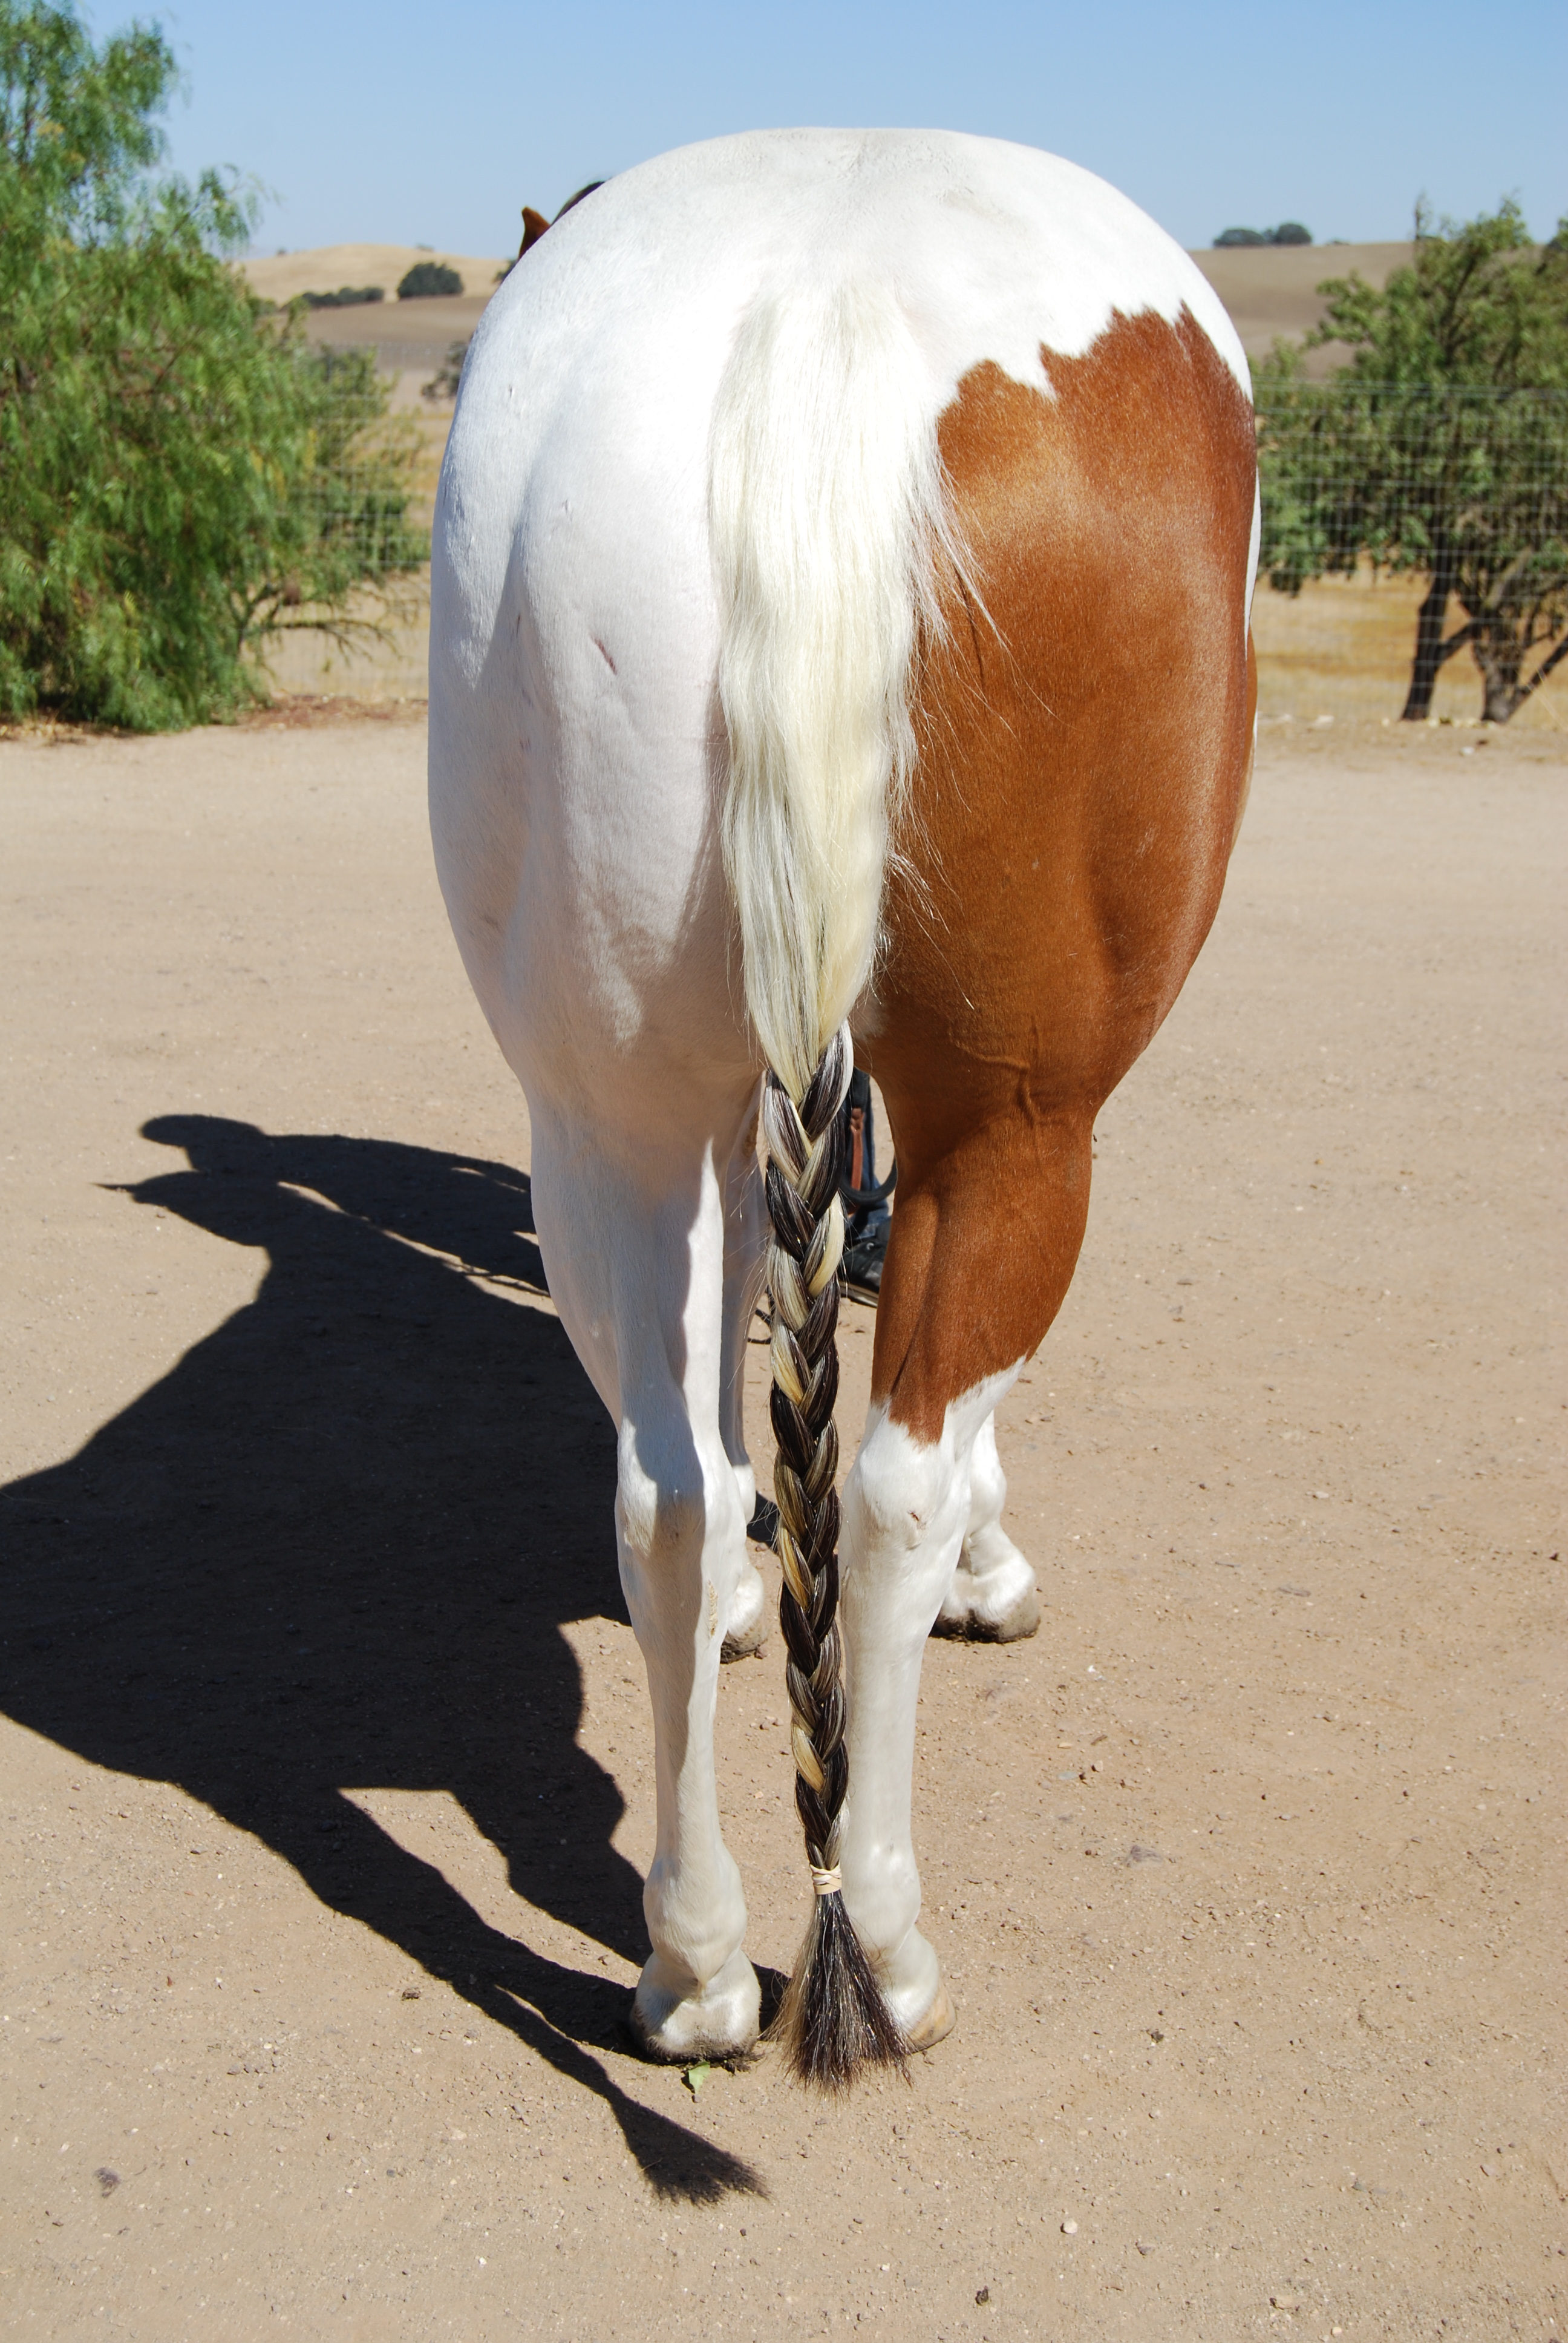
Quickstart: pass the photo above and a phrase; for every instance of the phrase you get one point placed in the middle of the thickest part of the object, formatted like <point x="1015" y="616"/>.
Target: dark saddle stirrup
<point x="855" y="1110"/>
<point x="860" y="1200"/>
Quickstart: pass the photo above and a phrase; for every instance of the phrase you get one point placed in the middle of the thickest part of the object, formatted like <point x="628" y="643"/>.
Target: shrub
<point x="1288" y="232"/>
<point x="183" y="475"/>
<point x="348" y="296"/>
<point x="443" y="382"/>
<point x="427" y="278"/>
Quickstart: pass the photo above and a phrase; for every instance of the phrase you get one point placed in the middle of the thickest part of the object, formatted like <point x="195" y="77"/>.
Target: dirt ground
<point x="310" y="1622"/>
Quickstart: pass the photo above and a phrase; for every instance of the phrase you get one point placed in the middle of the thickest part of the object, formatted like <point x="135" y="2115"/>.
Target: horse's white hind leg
<point x="993" y="1596"/>
<point x="635" y="1266"/>
<point x="746" y="1622"/>
<point x="906" y="1508"/>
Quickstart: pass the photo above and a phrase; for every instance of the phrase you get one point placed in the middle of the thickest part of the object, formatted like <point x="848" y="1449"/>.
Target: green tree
<point x="427" y="277"/>
<point x="184" y="476"/>
<point x="1440" y="448"/>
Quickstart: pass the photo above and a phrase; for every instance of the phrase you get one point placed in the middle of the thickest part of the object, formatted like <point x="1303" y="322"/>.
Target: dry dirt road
<point x="325" y="1790"/>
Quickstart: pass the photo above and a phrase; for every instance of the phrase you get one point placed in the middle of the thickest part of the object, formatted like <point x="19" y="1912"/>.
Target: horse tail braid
<point x="827" y="513"/>
<point x="833" y="2018"/>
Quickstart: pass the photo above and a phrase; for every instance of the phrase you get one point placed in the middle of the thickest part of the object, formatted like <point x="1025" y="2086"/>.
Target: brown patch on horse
<point x="1086" y="743"/>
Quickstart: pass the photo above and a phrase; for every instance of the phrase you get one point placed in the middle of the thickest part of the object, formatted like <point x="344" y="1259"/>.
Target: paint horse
<point x="842" y="570"/>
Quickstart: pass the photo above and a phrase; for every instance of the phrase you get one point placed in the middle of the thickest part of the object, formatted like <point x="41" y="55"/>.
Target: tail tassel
<point x="834" y="2019"/>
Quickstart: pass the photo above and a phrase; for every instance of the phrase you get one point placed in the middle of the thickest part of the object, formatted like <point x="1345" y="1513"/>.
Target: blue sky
<point x="434" y="126"/>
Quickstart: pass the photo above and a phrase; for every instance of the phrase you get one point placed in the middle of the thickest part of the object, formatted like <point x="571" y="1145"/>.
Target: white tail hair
<point x="826" y="513"/>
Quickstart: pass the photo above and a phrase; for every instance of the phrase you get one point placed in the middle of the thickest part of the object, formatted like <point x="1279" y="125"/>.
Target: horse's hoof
<point x="1003" y="1607"/>
<point x="1014" y="1624"/>
<point x="745" y="1642"/>
<point x="723" y="2021"/>
<point x="935" y="2024"/>
<point x="745" y="1628"/>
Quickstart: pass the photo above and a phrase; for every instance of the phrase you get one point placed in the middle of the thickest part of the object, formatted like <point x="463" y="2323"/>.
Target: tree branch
<point x="1543" y="671"/>
<point x="1457" y="642"/>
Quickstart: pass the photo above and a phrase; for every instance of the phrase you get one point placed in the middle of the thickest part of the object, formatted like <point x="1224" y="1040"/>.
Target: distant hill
<point x="1268" y="290"/>
<point x="412" y="336"/>
<point x="288" y="274"/>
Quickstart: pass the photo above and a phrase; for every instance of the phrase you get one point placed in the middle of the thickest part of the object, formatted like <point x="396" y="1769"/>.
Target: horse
<point x="840" y="649"/>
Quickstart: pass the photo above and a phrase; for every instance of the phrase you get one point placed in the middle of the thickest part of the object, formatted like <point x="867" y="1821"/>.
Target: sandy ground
<point x="1246" y="1873"/>
<point x="1341" y="650"/>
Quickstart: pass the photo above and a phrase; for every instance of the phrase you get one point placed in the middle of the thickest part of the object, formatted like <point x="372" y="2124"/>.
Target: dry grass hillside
<point x="1272" y="290"/>
<point x="286" y="275"/>
<point x="1268" y="290"/>
<point x="412" y="336"/>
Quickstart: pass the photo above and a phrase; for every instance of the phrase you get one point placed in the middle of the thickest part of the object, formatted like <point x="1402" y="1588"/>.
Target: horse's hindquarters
<point x="1082" y="747"/>
<point x="1085" y="744"/>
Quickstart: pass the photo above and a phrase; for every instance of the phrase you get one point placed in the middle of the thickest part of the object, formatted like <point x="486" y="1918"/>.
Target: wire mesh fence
<point x="1465" y="488"/>
<point x="1349" y="471"/>
<point x="375" y="527"/>
<point x="1412" y="476"/>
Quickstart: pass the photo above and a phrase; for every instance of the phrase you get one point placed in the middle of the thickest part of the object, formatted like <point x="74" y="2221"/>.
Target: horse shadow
<point x="335" y="1546"/>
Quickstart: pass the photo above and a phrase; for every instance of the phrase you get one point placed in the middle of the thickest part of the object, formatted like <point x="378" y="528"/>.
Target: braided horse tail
<point x="825" y="509"/>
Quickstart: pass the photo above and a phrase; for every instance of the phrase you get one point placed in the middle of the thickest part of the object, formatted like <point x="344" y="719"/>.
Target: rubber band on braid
<point x="833" y="2018"/>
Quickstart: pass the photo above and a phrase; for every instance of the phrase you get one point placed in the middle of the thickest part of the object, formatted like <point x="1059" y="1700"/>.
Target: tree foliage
<point x="1233" y="239"/>
<point x="428" y="279"/>
<point x="183" y="475"/>
<point x="447" y="377"/>
<point x="348" y="296"/>
<point x="1440" y="449"/>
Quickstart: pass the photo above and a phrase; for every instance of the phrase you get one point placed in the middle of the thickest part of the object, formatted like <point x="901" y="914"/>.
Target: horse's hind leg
<point x="746" y="1622"/>
<point x="634" y="1244"/>
<point x="1084" y="753"/>
<point x="926" y="1487"/>
<point x="994" y="1597"/>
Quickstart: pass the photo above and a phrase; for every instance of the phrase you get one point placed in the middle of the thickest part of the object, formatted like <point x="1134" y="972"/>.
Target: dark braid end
<point x="834" y="2017"/>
